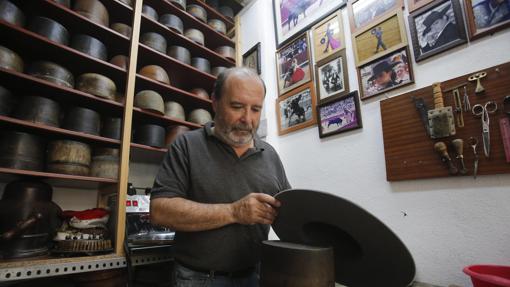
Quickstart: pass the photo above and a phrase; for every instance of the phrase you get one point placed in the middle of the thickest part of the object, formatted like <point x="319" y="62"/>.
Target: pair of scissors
<point x="483" y="112"/>
<point x="473" y="142"/>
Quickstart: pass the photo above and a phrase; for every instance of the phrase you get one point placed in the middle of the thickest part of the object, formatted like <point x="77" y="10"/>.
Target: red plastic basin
<point x="489" y="275"/>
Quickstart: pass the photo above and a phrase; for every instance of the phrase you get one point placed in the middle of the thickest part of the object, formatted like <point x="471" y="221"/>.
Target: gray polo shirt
<point x="199" y="167"/>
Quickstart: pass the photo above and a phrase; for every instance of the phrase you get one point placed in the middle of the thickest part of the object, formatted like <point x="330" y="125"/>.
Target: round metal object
<point x="112" y="127"/>
<point x="173" y="132"/>
<point x="198" y="12"/>
<point x="90" y="46"/>
<point x="11" y="13"/>
<point x="122" y="28"/>
<point x="105" y="166"/>
<point x="69" y="157"/>
<point x="50" y="29"/>
<point x="10" y="60"/>
<point x="38" y="109"/>
<point x="201" y="64"/>
<point x="20" y="150"/>
<point x="179" y="53"/>
<point x="201" y="93"/>
<point x="102" y="151"/>
<point x="174" y="110"/>
<point x="151" y="135"/>
<point x="195" y="35"/>
<point x="97" y="85"/>
<point x="150" y="12"/>
<point x="216" y="71"/>
<point x="173" y="23"/>
<point x="156" y="73"/>
<point x="363" y="245"/>
<point x="227" y="12"/>
<point x="120" y="61"/>
<point x="51" y="72"/>
<point x="218" y="26"/>
<point x="227" y="52"/>
<point x="180" y="3"/>
<point x="94" y="10"/>
<point x="83" y="120"/>
<point x="150" y="100"/>
<point x="199" y="116"/>
<point x="7" y="102"/>
<point x="296" y="265"/>
<point x="155" y="41"/>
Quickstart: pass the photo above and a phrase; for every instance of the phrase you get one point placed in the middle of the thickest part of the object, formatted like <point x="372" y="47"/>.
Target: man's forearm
<point x="180" y="214"/>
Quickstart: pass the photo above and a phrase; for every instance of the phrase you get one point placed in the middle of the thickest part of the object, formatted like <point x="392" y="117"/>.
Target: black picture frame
<point x="478" y="26"/>
<point x="339" y="115"/>
<point x="450" y="9"/>
<point x="253" y="54"/>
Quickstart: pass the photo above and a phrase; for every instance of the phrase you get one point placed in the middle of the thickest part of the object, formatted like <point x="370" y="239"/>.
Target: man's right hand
<point x="255" y="208"/>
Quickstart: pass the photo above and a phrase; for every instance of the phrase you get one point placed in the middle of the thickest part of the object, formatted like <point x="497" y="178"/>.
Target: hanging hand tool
<point x="458" y="145"/>
<point x="483" y="112"/>
<point x="473" y="142"/>
<point x="467" y="104"/>
<point x="441" y="123"/>
<point x="504" y="127"/>
<point x="420" y="105"/>
<point x="441" y="149"/>
<point x="477" y="77"/>
<point x="458" y="108"/>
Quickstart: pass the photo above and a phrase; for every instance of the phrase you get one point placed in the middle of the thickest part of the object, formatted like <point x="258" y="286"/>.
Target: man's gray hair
<point x="236" y="71"/>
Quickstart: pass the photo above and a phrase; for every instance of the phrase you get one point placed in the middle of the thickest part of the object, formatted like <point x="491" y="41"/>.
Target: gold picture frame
<point x="296" y="109"/>
<point x="415" y="4"/>
<point x="328" y="36"/>
<point x="363" y="13"/>
<point x="293" y="64"/>
<point x="379" y="39"/>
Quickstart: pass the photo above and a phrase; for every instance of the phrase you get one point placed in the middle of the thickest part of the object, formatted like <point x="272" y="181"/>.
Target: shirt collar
<point x="257" y="142"/>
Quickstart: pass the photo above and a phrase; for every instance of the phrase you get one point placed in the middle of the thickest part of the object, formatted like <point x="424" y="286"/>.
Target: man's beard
<point x="234" y="135"/>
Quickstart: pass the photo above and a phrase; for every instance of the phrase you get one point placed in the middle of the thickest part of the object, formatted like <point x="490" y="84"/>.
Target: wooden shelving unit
<point x="33" y="47"/>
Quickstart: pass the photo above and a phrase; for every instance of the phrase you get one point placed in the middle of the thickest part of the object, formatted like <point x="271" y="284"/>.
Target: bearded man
<point x="215" y="188"/>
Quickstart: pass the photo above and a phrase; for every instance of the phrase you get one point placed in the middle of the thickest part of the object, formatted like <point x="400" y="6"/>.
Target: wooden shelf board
<point x="58" y="132"/>
<point x="213" y="13"/>
<point x="180" y="74"/>
<point x="146" y="154"/>
<point x="19" y="83"/>
<point x="56" y="179"/>
<point x="143" y="115"/>
<point x="212" y="38"/>
<point x="149" y="25"/>
<point x="168" y="93"/>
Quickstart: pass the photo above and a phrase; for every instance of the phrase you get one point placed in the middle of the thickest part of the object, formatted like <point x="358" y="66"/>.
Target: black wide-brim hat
<point x="382" y="67"/>
<point x="432" y="17"/>
<point x="366" y="252"/>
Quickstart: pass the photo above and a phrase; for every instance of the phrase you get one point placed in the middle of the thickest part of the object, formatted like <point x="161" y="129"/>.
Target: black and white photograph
<point x="485" y="17"/>
<point x="340" y="115"/>
<point x="365" y="12"/>
<point x="436" y="28"/>
<point x="296" y="109"/>
<point x="331" y="76"/>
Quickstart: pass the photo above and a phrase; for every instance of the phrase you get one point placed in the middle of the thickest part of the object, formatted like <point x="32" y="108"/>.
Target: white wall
<point x="450" y="222"/>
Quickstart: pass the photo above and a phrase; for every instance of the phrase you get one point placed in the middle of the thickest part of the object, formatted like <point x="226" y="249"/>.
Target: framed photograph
<point x="251" y="59"/>
<point x="328" y="36"/>
<point x="436" y="28"/>
<point x="388" y="73"/>
<point x="363" y="13"/>
<point x="293" y="17"/>
<point x="380" y="39"/>
<point x="485" y="17"/>
<point x="415" y="4"/>
<point x="340" y="115"/>
<point x="296" y="109"/>
<point x="331" y="77"/>
<point x="293" y="64"/>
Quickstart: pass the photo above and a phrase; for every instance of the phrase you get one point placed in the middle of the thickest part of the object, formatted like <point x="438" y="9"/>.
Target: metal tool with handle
<point x="458" y="108"/>
<point x="441" y="123"/>
<point x="483" y="112"/>
<point x="458" y="145"/>
<point x="477" y="77"/>
<point x="442" y="151"/>
<point x="467" y="104"/>
<point x="473" y="142"/>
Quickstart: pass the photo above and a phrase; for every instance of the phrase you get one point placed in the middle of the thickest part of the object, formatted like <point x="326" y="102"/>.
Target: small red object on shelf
<point x="489" y="275"/>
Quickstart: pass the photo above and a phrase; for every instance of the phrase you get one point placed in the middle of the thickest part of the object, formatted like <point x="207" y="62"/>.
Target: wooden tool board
<point x="408" y="149"/>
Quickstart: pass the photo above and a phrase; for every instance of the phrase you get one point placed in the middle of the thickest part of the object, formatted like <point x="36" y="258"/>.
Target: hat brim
<point x="393" y="64"/>
<point x="367" y="252"/>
